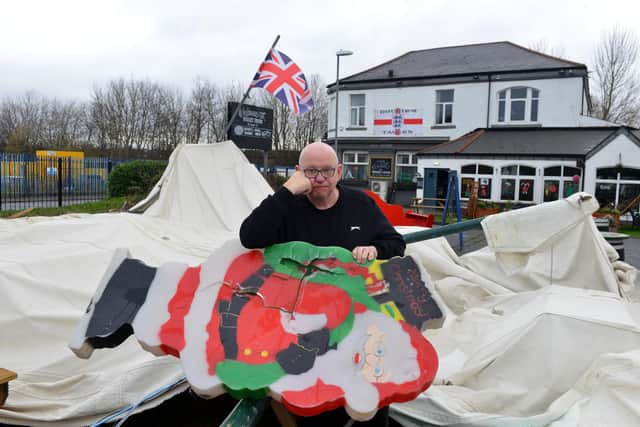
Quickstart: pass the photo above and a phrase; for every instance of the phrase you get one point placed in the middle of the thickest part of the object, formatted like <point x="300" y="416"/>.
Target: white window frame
<point x="617" y="182"/>
<point x="517" y="177"/>
<point x="476" y="177"/>
<point x="361" y="158"/>
<point x="357" y="112"/>
<point x="444" y="105"/>
<point x="528" y="104"/>
<point x="413" y="162"/>
<point x="562" y="179"/>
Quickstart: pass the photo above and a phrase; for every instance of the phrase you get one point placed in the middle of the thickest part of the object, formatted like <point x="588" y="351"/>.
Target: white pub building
<point x="515" y="120"/>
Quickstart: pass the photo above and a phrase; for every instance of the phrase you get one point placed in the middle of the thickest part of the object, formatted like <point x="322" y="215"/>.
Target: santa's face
<point x="381" y="351"/>
<point x="372" y="356"/>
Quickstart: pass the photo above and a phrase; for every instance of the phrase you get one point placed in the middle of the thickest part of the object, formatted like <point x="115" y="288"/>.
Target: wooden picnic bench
<point x="5" y="376"/>
<point x="419" y="203"/>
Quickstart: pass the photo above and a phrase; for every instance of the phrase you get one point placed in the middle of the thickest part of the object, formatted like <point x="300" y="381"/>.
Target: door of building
<point x="435" y="186"/>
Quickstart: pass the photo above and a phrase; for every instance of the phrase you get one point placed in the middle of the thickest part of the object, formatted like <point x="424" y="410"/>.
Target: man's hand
<point x="363" y="254"/>
<point x="298" y="183"/>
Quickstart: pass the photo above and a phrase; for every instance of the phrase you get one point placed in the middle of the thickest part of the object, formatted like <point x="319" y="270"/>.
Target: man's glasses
<point x="313" y="173"/>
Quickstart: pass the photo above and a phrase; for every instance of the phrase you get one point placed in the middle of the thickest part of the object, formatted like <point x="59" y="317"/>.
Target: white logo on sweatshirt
<point x="355" y="227"/>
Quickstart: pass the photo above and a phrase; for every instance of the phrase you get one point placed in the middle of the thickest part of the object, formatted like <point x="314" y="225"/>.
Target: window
<point x="406" y="167"/>
<point x="560" y="181"/>
<point x="357" y="110"/>
<point x="355" y="165"/>
<point x="617" y="186"/>
<point x="515" y="184"/>
<point x="469" y="169"/>
<point x="444" y="106"/>
<point x="471" y="173"/>
<point x="518" y="104"/>
<point x="525" y="192"/>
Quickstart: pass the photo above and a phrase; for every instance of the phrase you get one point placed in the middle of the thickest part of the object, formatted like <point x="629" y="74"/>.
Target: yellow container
<point x="55" y="153"/>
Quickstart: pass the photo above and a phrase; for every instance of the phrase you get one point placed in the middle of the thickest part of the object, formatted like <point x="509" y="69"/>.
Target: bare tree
<point x="126" y="118"/>
<point x="543" y="46"/>
<point x="170" y="120"/>
<point x="21" y="121"/>
<point x="195" y="111"/>
<point x="218" y="113"/>
<point x="291" y="132"/>
<point x="617" y="84"/>
<point x="62" y="124"/>
<point x="282" y="120"/>
<point x="312" y="125"/>
<point x="136" y="115"/>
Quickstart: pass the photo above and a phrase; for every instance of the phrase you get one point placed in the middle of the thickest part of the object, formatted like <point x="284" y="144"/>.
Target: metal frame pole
<point x="246" y="94"/>
<point x="337" y="101"/>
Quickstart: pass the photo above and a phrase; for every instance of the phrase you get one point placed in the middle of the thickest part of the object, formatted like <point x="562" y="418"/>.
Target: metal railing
<point x="29" y="181"/>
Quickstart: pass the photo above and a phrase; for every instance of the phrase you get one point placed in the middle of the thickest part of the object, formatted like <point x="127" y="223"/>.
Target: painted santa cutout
<point x="306" y="325"/>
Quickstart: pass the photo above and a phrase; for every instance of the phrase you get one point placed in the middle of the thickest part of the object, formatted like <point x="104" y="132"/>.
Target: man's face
<point x="321" y="186"/>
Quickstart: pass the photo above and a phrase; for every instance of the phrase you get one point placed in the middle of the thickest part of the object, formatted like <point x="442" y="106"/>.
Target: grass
<point x="107" y="205"/>
<point x="626" y="229"/>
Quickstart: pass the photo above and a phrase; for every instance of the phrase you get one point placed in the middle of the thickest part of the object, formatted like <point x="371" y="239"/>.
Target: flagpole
<point x="246" y="95"/>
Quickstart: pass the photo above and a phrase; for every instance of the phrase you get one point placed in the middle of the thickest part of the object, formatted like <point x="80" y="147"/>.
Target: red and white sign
<point x="398" y="122"/>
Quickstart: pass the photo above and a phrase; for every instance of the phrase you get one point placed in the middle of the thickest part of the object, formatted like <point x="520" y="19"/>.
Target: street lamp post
<point x="339" y="53"/>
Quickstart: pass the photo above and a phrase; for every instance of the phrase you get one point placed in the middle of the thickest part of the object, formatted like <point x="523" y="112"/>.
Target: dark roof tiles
<point x="469" y="59"/>
<point x="538" y="141"/>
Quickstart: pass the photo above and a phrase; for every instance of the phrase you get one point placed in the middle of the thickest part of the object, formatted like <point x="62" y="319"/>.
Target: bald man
<point x="312" y="207"/>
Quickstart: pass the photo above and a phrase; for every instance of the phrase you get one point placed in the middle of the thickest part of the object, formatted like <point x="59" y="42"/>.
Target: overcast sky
<point x="63" y="48"/>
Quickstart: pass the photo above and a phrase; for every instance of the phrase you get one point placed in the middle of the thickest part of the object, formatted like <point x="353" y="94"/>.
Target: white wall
<point x="559" y="105"/>
<point x="560" y="100"/>
<point x="621" y="148"/>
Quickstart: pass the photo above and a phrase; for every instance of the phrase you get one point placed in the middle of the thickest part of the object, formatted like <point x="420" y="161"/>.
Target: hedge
<point x="134" y="178"/>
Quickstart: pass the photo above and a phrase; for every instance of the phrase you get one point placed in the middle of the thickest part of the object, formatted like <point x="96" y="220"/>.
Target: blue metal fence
<point x="27" y="181"/>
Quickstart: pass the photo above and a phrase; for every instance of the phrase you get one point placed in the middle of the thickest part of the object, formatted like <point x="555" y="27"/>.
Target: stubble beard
<point x="320" y="197"/>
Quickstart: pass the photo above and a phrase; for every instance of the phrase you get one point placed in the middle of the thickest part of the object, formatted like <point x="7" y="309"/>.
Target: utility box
<point x="381" y="188"/>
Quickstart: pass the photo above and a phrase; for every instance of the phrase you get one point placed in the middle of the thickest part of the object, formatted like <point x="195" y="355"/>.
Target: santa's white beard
<point x="337" y="367"/>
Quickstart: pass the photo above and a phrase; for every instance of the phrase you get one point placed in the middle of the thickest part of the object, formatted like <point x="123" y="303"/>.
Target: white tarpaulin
<point x="211" y="187"/>
<point x="540" y="333"/>
<point x="540" y="326"/>
<point x="50" y="267"/>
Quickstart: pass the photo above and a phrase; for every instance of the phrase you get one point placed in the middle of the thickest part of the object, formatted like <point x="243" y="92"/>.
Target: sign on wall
<point x="398" y="122"/>
<point x="380" y="167"/>
<point x="252" y="127"/>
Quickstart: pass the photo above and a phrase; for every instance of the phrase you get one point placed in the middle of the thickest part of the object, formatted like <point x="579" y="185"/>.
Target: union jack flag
<point x="281" y="76"/>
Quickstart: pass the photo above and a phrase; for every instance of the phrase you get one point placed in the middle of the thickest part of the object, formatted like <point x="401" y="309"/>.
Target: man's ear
<point x="298" y="167"/>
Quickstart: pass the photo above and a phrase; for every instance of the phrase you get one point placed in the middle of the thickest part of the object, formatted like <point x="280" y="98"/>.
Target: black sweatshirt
<point x="355" y="220"/>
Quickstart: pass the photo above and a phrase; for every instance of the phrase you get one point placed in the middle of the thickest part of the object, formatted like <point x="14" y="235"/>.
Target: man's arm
<point x="263" y="227"/>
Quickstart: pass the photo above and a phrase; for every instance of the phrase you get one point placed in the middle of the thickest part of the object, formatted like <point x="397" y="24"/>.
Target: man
<point x="312" y="207"/>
